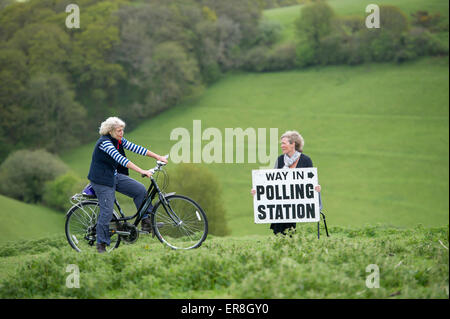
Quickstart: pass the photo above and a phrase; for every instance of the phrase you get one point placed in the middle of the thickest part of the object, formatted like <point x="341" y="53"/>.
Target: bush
<point x="204" y="188"/>
<point x="425" y="20"/>
<point x="306" y="54"/>
<point x="356" y="50"/>
<point x="262" y="58"/>
<point x="348" y="25"/>
<point x="386" y="43"/>
<point x="393" y="20"/>
<point x="23" y="174"/>
<point x="420" y="42"/>
<point x="330" y="50"/>
<point x="315" y="22"/>
<point x="255" y="59"/>
<point x="269" y="32"/>
<point x="327" y="39"/>
<point x="282" y="58"/>
<point x="57" y="192"/>
<point x="384" y="47"/>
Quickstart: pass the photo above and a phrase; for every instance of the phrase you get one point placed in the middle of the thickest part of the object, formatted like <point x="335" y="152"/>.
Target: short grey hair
<point x="110" y="124"/>
<point x="294" y="137"/>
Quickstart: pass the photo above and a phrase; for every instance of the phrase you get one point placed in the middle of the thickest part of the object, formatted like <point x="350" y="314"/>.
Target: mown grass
<point x="413" y="264"/>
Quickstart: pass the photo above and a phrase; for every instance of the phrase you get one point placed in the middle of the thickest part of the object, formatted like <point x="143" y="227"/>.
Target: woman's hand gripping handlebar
<point x="160" y="163"/>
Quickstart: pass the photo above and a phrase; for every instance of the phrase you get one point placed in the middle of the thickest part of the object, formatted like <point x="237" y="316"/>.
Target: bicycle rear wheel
<point x="80" y="227"/>
<point x="180" y="225"/>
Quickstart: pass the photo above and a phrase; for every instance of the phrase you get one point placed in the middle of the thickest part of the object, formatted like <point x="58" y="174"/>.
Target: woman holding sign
<point x="292" y="147"/>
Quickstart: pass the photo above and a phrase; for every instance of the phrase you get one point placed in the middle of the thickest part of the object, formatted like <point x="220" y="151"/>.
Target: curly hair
<point x="294" y="136"/>
<point x="110" y="124"/>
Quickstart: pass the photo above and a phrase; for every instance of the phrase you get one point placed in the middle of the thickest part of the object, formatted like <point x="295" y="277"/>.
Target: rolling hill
<point x="20" y="221"/>
<point x="378" y="134"/>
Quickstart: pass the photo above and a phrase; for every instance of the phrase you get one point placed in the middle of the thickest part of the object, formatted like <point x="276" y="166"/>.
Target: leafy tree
<point x="268" y="32"/>
<point x="12" y="18"/>
<point x="55" y="120"/>
<point x="46" y="47"/>
<point x="204" y="188"/>
<point x="207" y="51"/>
<point x="90" y="65"/>
<point x="314" y="23"/>
<point x="393" y="20"/>
<point x="13" y="77"/>
<point x="172" y="75"/>
<point x="229" y="36"/>
<point x="135" y="43"/>
<point x="384" y="43"/>
<point x="13" y="74"/>
<point x="243" y="13"/>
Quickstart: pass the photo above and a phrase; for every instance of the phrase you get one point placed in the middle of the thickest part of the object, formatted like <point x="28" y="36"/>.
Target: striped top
<point x="108" y="147"/>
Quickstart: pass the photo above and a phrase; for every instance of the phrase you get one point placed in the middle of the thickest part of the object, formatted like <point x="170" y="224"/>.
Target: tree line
<point x="135" y="58"/>
<point x="326" y="38"/>
<point x="129" y="58"/>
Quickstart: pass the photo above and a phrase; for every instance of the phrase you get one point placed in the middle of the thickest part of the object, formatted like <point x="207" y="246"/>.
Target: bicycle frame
<point x="152" y="190"/>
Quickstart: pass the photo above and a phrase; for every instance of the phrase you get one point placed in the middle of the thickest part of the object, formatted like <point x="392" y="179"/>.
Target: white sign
<point x="286" y="195"/>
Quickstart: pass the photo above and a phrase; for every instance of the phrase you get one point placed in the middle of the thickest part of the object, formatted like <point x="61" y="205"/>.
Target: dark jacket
<point x="103" y="166"/>
<point x="304" y="161"/>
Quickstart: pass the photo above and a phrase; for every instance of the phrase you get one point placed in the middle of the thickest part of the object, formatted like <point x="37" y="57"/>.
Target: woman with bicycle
<point x="109" y="173"/>
<point x="293" y="157"/>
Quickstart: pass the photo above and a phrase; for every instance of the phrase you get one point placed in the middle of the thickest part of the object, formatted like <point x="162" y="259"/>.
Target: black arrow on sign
<point x="310" y="175"/>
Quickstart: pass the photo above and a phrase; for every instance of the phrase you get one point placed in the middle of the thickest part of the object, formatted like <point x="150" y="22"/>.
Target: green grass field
<point x="412" y="263"/>
<point x="287" y="15"/>
<point x="20" y="221"/>
<point x="378" y="134"/>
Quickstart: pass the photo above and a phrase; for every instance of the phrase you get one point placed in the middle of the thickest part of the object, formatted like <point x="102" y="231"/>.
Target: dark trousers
<point x="106" y="197"/>
<point x="283" y="227"/>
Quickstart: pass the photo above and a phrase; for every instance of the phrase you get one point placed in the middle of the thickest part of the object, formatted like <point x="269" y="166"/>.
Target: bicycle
<point x="177" y="221"/>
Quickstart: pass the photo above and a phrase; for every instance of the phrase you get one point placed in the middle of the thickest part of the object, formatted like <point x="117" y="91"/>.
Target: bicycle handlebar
<point x="158" y="166"/>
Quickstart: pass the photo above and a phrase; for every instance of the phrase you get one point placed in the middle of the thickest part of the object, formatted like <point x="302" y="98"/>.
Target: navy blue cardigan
<point x="103" y="166"/>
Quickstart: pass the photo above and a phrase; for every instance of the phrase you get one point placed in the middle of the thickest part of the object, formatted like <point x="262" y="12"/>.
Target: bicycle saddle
<point x="88" y="191"/>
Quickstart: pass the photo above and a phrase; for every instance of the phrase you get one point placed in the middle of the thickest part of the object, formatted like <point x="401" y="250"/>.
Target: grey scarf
<point x="288" y="161"/>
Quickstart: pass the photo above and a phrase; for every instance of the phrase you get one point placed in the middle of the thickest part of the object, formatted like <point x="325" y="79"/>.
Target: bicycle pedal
<point x="144" y="232"/>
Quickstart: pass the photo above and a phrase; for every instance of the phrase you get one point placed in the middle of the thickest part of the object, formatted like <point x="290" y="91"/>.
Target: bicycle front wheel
<point x="181" y="224"/>
<point x="80" y="227"/>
